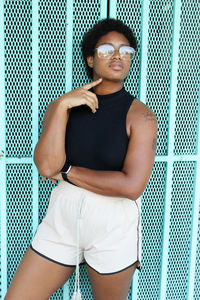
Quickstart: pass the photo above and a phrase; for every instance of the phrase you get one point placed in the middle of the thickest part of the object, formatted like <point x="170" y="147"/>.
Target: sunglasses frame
<point x="109" y="56"/>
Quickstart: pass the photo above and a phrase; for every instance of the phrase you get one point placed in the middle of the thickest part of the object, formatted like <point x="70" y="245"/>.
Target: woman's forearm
<point x="108" y="183"/>
<point x="49" y="154"/>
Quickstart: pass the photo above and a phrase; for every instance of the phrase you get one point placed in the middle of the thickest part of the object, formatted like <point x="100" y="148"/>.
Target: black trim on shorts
<point x="85" y="262"/>
<point x="52" y="260"/>
<point x="137" y="261"/>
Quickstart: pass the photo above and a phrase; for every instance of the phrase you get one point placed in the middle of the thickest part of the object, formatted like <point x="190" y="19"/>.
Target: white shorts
<point x="109" y="230"/>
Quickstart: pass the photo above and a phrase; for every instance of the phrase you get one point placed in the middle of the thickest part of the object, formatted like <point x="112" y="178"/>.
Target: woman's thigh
<point x="37" y="278"/>
<point x="111" y="287"/>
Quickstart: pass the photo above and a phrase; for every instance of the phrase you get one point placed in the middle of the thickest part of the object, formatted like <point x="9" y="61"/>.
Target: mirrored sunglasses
<point x="106" y="51"/>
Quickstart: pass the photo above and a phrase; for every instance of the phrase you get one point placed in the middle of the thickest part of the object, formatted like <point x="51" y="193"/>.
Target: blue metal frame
<point x="69" y="35"/>
<point x="103" y="13"/>
<point x="113" y="9"/>
<point x="35" y="109"/>
<point x="144" y="51"/>
<point x="3" y="233"/>
<point x="68" y="79"/>
<point x="171" y="157"/>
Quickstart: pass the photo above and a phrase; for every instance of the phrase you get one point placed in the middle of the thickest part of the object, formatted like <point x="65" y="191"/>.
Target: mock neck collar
<point x="110" y="96"/>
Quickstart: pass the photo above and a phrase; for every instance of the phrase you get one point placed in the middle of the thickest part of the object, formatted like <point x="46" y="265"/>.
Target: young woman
<point x="106" y="140"/>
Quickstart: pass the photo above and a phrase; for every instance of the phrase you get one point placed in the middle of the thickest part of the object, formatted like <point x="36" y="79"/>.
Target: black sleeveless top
<point x="99" y="140"/>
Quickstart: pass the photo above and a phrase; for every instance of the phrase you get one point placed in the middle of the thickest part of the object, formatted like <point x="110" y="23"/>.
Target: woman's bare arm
<point x="138" y="164"/>
<point x="49" y="154"/>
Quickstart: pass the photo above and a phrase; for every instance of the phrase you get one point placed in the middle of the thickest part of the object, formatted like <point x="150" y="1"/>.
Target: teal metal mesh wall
<point x="160" y="42"/>
<point x="170" y="203"/>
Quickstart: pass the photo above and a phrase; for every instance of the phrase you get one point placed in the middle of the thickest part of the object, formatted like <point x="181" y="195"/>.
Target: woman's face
<point x="114" y="68"/>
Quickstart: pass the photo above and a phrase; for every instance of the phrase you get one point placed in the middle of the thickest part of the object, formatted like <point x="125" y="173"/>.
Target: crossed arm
<point x="131" y="181"/>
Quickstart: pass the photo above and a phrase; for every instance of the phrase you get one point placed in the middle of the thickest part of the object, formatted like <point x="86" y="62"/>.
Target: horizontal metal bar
<point x="168" y="158"/>
<point x="165" y="158"/>
<point x="15" y="160"/>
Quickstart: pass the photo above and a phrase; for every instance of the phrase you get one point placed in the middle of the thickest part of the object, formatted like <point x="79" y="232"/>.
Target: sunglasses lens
<point x="127" y="52"/>
<point x="105" y="51"/>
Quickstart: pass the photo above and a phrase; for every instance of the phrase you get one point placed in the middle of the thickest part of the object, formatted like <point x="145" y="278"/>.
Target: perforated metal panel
<point x="40" y="59"/>
<point x="159" y="64"/>
<point x="19" y="214"/>
<point x="185" y="141"/>
<point x="180" y="229"/>
<point x="18" y="90"/>
<point x="152" y="224"/>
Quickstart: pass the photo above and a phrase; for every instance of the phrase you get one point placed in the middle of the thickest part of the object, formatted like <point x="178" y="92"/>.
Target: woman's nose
<point x="116" y="54"/>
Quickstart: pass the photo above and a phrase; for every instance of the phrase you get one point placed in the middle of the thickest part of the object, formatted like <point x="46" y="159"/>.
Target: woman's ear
<point x="90" y="61"/>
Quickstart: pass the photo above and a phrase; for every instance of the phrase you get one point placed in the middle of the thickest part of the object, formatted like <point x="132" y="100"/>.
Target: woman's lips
<point x="116" y="66"/>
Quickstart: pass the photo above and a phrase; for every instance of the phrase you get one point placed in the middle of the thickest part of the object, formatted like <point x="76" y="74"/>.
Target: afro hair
<point x="100" y="29"/>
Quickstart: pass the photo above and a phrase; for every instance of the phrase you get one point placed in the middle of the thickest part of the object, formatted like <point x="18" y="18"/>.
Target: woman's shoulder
<point x="141" y="110"/>
<point x="140" y="114"/>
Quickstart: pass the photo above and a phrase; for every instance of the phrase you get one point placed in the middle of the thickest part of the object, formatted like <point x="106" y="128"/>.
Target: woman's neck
<point x="108" y="87"/>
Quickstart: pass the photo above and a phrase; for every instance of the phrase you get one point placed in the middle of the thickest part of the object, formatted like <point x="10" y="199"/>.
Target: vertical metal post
<point x="68" y="78"/>
<point x="144" y="51"/>
<point x="113" y="9"/>
<point x="103" y="13"/>
<point x="173" y="93"/>
<point x="3" y="265"/>
<point x="69" y="36"/>
<point x="35" y="107"/>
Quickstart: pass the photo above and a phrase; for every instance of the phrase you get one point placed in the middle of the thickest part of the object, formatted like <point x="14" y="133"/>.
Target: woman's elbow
<point x="48" y="165"/>
<point x="45" y="172"/>
<point x="133" y="195"/>
<point x="43" y="169"/>
<point x="133" y="192"/>
<point x="47" y="169"/>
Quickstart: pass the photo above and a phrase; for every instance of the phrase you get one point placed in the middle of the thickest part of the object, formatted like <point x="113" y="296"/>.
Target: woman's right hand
<point x="81" y="96"/>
